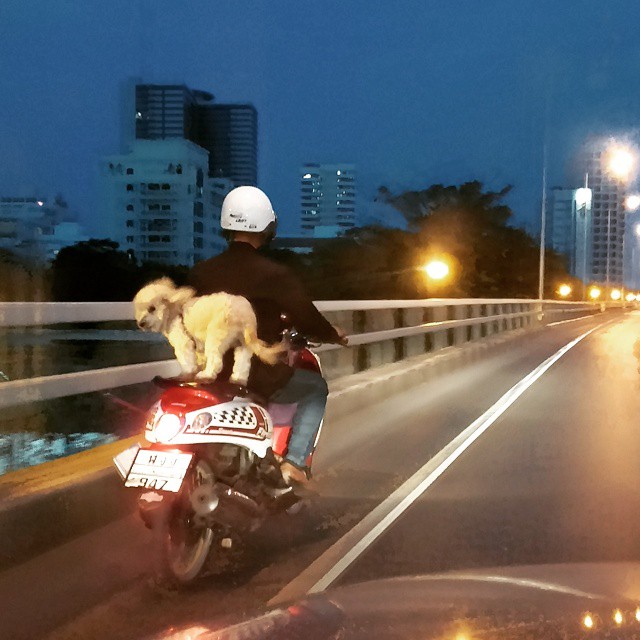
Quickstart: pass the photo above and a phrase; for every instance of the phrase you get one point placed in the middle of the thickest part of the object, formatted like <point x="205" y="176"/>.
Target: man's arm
<point x="304" y="315"/>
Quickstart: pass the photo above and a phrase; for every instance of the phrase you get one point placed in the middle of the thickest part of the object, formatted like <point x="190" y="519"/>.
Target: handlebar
<point x="296" y="340"/>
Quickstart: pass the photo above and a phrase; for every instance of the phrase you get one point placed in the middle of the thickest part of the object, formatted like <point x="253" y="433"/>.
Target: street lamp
<point x="594" y="293"/>
<point x="632" y="202"/>
<point x="564" y="290"/>
<point x="630" y="297"/>
<point x="620" y="162"/>
<point x="616" y="294"/>
<point x="436" y="269"/>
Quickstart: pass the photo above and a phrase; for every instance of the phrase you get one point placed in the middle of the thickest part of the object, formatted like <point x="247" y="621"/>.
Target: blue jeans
<point x="309" y="391"/>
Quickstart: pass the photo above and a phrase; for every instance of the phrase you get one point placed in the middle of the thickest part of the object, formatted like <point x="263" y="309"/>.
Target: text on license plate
<point x="160" y="470"/>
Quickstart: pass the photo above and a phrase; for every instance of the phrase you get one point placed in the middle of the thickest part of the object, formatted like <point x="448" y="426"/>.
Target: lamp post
<point x="543" y="224"/>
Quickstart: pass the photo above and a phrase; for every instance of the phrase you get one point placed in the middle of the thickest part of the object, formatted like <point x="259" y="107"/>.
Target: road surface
<point x="551" y="476"/>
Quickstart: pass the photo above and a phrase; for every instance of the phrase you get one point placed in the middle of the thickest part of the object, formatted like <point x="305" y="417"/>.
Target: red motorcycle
<point x="211" y="472"/>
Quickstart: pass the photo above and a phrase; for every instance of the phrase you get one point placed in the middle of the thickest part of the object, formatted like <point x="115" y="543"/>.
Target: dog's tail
<point x="268" y="354"/>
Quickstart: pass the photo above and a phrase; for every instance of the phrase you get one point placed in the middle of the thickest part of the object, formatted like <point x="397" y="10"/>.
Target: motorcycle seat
<point x="224" y="388"/>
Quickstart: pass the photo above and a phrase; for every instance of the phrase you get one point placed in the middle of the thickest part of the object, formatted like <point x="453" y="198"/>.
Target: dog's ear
<point x="182" y="295"/>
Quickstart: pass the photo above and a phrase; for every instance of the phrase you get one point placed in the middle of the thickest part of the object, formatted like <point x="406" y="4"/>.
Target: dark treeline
<point x="465" y="225"/>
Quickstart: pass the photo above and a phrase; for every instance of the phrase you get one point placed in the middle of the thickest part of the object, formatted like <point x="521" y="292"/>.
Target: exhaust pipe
<point x="204" y="500"/>
<point x="215" y="504"/>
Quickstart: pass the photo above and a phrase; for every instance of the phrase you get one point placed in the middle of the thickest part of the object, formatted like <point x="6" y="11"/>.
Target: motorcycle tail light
<point x="167" y="427"/>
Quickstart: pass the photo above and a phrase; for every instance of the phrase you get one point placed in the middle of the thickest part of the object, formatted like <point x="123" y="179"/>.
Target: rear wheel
<point x="184" y="544"/>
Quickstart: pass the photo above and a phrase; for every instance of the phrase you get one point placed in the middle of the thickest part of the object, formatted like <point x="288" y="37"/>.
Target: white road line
<point x="553" y="324"/>
<point x="334" y="561"/>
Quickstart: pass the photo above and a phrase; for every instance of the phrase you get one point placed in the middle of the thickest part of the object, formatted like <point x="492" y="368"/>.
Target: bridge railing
<point x="380" y="332"/>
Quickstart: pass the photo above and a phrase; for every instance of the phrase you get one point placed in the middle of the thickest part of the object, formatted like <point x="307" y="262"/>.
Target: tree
<point x="369" y="262"/>
<point x="149" y="271"/>
<point x="95" y="270"/>
<point x="468" y="225"/>
<point x="20" y="278"/>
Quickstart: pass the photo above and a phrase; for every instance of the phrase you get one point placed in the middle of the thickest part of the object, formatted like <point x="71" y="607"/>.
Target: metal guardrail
<point x="482" y="311"/>
<point x="30" y="314"/>
<point x="422" y="329"/>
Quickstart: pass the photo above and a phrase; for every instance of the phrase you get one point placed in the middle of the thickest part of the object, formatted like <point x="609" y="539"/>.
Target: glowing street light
<point x="620" y="162"/>
<point x="630" y="297"/>
<point x="632" y="202"/>
<point x="594" y="293"/>
<point x="616" y="294"/>
<point x="436" y="269"/>
<point x="564" y="290"/>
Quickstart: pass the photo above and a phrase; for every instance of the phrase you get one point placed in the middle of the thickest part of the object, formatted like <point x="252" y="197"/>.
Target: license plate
<point x="159" y="470"/>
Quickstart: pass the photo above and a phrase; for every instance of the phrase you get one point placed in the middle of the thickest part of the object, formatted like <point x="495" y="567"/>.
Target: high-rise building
<point x="608" y="215"/>
<point x="37" y="228"/>
<point x="160" y="203"/>
<point x="570" y="228"/>
<point x="327" y="199"/>
<point x="164" y="111"/>
<point x="632" y="250"/>
<point x="228" y="132"/>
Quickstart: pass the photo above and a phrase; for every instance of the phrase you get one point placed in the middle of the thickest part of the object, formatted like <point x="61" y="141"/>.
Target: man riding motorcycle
<point x="249" y="221"/>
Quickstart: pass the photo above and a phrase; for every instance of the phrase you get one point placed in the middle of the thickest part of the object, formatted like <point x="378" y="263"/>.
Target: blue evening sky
<point x="411" y="91"/>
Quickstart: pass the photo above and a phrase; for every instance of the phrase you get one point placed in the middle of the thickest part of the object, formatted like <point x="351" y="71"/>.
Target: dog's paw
<point x="204" y="375"/>
<point x="239" y="381"/>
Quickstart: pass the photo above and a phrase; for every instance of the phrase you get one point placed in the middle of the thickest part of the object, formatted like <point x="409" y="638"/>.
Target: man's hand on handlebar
<point x="344" y="339"/>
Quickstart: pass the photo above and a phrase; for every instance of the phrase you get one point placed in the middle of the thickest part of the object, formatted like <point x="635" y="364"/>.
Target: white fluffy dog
<point x="202" y="329"/>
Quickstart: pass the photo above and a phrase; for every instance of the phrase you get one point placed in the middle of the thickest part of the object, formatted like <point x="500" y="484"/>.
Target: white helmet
<point x="247" y="209"/>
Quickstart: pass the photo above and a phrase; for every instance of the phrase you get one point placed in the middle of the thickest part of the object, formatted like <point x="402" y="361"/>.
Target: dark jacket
<point x="272" y="289"/>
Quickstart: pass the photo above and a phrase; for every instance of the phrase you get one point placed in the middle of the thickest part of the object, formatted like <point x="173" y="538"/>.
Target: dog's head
<point x="158" y="302"/>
